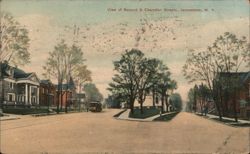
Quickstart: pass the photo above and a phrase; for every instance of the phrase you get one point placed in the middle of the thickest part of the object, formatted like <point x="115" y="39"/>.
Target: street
<point x="101" y="132"/>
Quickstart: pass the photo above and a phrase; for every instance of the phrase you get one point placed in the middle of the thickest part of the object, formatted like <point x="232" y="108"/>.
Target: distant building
<point x="18" y="87"/>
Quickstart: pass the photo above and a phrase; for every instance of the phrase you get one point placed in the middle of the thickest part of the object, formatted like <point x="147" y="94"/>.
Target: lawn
<point x="148" y="111"/>
<point x="24" y="111"/>
<point x="167" y="117"/>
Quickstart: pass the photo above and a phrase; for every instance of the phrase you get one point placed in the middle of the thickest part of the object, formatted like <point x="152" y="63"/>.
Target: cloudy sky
<point x="165" y="29"/>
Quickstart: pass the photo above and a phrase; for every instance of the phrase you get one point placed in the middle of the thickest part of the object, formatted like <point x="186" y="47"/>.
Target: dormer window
<point x="9" y="72"/>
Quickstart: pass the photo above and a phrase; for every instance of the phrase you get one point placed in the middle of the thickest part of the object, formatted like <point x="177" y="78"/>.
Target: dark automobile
<point x="95" y="107"/>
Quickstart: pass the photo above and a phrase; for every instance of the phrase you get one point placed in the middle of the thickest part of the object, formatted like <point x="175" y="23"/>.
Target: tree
<point x="81" y="75"/>
<point x="113" y="101"/>
<point x="14" y="42"/>
<point x="92" y="93"/>
<point x="227" y="54"/>
<point x="127" y="76"/>
<point x="176" y="101"/>
<point x="63" y="64"/>
<point x="191" y="100"/>
<point x="73" y="57"/>
<point x="164" y="83"/>
<point x="147" y="71"/>
<point x="55" y="68"/>
<point x="119" y="92"/>
<point x="203" y="96"/>
<point x="231" y="55"/>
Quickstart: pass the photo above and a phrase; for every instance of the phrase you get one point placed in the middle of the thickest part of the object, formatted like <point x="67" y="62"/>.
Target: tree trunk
<point x="132" y="105"/>
<point x="162" y="102"/>
<point x="153" y="97"/>
<point x="166" y="101"/>
<point x="141" y="107"/>
<point x="200" y="102"/>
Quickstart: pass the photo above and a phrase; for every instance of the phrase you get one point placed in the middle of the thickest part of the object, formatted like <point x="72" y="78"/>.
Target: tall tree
<point x="14" y="41"/>
<point x="164" y="83"/>
<point x="55" y="68"/>
<point x="190" y="103"/>
<point x="203" y="96"/>
<point x="127" y="76"/>
<point x="176" y="101"/>
<point x="147" y="71"/>
<point x="227" y="54"/>
<point x="73" y="57"/>
<point x="81" y="75"/>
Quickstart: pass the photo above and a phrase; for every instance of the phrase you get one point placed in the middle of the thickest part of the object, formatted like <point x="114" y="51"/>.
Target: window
<point x="11" y="97"/>
<point x="11" y="85"/>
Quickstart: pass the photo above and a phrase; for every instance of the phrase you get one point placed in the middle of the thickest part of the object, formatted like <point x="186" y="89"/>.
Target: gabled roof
<point x="18" y="73"/>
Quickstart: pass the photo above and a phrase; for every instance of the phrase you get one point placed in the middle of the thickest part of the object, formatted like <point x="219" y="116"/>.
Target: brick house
<point x="242" y="95"/>
<point x="47" y="93"/>
<point x="18" y="87"/>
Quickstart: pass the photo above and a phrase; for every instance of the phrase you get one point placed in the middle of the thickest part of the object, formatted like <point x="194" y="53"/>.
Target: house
<point x="18" y="87"/>
<point x="47" y="93"/>
<point x="67" y="93"/>
<point x="242" y="97"/>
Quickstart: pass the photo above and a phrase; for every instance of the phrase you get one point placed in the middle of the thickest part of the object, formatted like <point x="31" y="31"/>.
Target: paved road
<point x="100" y="132"/>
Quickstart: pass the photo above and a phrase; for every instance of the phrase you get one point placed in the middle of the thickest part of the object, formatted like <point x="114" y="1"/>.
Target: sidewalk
<point x="125" y="116"/>
<point x="9" y="117"/>
<point x="226" y="118"/>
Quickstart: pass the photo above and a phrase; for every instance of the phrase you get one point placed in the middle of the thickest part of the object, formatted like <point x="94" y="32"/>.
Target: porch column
<point x="26" y="93"/>
<point x="30" y="95"/>
<point x="37" y="96"/>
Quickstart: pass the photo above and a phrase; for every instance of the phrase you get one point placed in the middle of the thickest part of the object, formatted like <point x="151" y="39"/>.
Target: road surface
<point x="101" y="133"/>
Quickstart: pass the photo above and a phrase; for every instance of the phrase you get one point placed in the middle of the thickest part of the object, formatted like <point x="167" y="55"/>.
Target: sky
<point x="164" y="29"/>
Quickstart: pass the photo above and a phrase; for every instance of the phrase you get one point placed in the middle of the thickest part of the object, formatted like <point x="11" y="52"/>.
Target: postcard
<point x="124" y="76"/>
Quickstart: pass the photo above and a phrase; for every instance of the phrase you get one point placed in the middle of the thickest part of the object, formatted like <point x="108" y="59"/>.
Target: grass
<point x="147" y="112"/>
<point x="166" y="117"/>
